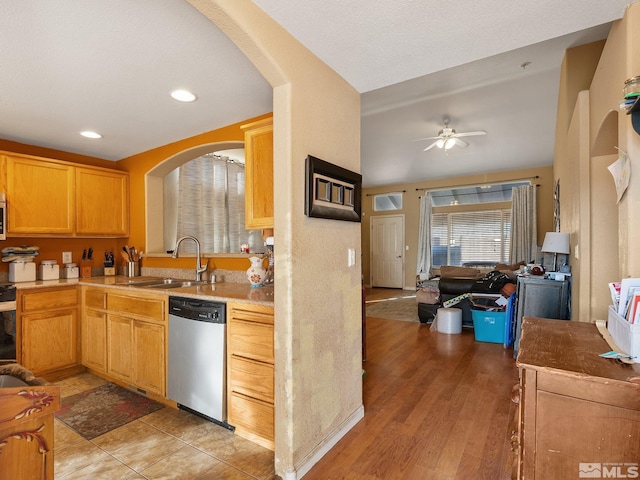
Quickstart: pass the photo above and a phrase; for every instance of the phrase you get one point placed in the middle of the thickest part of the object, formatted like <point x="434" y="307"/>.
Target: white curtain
<point x="424" y="237"/>
<point x="523" y="224"/>
<point x="211" y="206"/>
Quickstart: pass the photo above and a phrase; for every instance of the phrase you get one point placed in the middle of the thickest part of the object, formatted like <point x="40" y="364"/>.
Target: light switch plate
<point x="351" y="261"/>
<point x="67" y="257"/>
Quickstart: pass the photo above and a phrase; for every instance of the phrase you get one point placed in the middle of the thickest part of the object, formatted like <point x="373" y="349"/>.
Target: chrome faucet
<point x="200" y="269"/>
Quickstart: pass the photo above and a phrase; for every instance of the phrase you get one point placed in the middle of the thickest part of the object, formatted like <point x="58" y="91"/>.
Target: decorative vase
<point x="256" y="272"/>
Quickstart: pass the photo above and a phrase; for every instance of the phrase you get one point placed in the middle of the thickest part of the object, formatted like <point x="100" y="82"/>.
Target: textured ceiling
<point x="109" y="66"/>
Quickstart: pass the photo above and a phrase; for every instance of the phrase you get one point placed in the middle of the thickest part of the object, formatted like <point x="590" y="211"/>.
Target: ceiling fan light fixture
<point x="440" y="143"/>
<point x="449" y="143"/>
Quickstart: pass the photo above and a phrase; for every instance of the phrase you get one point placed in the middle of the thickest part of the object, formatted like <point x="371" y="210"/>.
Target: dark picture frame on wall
<point x="332" y="192"/>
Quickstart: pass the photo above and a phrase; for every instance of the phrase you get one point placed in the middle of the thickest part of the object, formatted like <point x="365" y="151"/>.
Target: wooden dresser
<point x="579" y="414"/>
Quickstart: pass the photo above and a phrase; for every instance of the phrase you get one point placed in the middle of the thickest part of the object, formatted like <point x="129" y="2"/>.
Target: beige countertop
<point x="220" y="292"/>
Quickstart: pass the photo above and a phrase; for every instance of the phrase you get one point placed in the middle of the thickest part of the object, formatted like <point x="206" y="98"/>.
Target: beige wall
<point x="411" y="211"/>
<point x="589" y="127"/>
<point x="318" y="299"/>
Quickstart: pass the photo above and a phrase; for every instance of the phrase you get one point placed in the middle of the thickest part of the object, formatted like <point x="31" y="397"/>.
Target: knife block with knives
<point x="86" y="264"/>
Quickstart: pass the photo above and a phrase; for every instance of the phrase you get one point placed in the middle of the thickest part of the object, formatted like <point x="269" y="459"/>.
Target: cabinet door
<point x="119" y="347"/>
<point x="258" y="144"/>
<point x="102" y="207"/>
<point x="94" y="340"/>
<point x="40" y="197"/>
<point x="149" y="356"/>
<point x="50" y="340"/>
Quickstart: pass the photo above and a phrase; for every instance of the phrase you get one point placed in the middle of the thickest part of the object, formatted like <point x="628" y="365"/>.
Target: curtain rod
<point x="477" y="184"/>
<point x="383" y="193"/>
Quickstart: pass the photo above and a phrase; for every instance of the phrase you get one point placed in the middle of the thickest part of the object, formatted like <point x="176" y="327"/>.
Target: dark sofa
<point x="455" y="281"/>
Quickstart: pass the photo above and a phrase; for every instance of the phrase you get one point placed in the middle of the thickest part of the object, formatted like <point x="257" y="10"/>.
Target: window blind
<point x="476" y="236"/>
<point x="211" y="206"/>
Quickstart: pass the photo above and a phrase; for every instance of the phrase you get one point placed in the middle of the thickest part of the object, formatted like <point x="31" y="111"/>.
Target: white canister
<point x="449" y="320"/>
<point x="71" y="270"/>
<point x="48" y="270"/>
<point x="22" y="272"/>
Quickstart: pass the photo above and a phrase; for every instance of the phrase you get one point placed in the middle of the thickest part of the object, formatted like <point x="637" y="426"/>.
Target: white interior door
<point x="387" y="251"/>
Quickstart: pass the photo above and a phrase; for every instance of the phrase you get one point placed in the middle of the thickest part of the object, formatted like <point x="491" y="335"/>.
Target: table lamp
<point x="556" y="242"/>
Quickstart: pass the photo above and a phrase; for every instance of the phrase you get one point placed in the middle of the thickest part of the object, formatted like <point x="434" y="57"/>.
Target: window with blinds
<point x="209" y="192"/>
<point x="472" y="236"/>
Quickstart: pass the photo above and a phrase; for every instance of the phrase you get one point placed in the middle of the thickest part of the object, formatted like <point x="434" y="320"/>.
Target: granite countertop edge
<point x="219" y="292"/>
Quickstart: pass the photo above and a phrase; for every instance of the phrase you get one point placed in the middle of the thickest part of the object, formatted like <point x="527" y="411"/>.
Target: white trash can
<point x="449" y="320"/>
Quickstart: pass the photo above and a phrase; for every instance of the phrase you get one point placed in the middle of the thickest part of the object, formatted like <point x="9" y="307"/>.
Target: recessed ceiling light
<point x="90" y="134"/>
<point x="183" y="96"/>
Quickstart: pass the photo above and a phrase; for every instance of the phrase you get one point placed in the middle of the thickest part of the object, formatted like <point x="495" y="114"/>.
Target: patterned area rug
<point x="102" y="409"/>
<point x="405" y="309"/>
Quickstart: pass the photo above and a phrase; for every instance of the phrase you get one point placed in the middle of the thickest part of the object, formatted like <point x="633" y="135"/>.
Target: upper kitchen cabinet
<point x="102" y="207"/>
<point x="258" y="145"/>
<point x="54" y="198"/>
<point x="40" y="197"/>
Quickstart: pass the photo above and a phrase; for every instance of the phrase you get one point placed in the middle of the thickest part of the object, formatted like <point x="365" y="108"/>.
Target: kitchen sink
<point x="170" y="283"/>
<point x="161" y="283"/>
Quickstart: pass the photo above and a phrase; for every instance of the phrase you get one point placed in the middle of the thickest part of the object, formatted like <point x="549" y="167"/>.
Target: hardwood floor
<point x="437" y="406"/>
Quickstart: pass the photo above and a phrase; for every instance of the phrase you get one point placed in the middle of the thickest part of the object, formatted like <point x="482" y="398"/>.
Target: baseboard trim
<point x="325" y="445"/>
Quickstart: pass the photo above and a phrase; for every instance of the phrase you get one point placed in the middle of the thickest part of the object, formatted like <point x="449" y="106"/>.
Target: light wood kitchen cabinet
<point x="136" y="339"/>
<point x="250" y="371"/>
<point x="258" y="145"/>
<point x="576" y="409"/>
<point x="102" y="207"/>
<point x="94" y="329"/>
<point x="48" y="322"/>
<point x="40" y="197"/>
<point x="47" y="197"/>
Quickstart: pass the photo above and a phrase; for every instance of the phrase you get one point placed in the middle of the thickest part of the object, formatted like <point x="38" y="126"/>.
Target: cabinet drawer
<point x="251" y="313"/>
<point x="251" y="415"/>
<point x="49" y="299"/>
<point x="95" y="299"/>
<point x="250" y="340"/>
<point x="254" y="379"/>
<point x="153" y="308"/>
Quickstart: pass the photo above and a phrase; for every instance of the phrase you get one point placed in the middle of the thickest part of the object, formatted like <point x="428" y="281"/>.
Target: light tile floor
<point x="168" y="444"/>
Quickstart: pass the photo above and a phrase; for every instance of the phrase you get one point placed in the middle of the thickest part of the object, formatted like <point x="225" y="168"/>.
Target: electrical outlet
<point x="66" y="257"/>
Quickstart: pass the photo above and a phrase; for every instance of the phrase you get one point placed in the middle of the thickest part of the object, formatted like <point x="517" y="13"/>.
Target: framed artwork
<point x="332" y="191"/>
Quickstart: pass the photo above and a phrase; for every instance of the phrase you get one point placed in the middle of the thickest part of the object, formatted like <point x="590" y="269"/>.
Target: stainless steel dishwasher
<point x="197" y="357"/>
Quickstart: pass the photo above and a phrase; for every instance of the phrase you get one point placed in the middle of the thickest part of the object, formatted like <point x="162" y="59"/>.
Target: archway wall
<point x="318" y="378"/>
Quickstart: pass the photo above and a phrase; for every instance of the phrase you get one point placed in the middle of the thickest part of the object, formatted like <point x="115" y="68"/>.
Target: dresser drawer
<point x="251" y="378"/>
<point x="251" y="340"/>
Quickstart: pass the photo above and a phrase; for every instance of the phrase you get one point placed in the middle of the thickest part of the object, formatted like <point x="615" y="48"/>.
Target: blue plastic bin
<point x="489" y="326"/>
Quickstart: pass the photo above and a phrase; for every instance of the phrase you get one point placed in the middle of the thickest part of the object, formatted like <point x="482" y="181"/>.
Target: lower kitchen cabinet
<point x="124" y="336"/>
<point x="94" y="329"/>
<point x="250" y="372"/>
<point x="48" y="323"/>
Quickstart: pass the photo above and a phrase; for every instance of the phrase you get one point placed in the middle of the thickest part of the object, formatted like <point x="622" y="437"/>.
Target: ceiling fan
<point x="447" y="137"/>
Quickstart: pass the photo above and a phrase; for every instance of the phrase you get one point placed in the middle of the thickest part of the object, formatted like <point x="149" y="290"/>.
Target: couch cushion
<point x="448" y="271"/>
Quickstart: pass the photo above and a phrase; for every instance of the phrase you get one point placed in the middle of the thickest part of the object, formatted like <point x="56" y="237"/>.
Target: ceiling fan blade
<point x="431" y="146"/>
<point x="460" y="143"/>
<point x="469" y="134"/>
<point x="425" y="138"/>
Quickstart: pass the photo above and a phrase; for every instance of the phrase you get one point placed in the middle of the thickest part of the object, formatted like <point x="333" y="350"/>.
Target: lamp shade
<point x="556" y="242"/>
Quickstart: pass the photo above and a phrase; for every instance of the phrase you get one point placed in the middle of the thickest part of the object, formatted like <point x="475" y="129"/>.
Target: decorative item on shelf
<point x="555" y="242"/>
<point x="537" y="270"/>
<point x="631" y="103"/>
<point x="256" y="272"/>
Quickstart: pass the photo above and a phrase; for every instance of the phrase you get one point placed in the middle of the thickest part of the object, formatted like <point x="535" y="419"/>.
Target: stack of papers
<point x="628" y="301"/>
